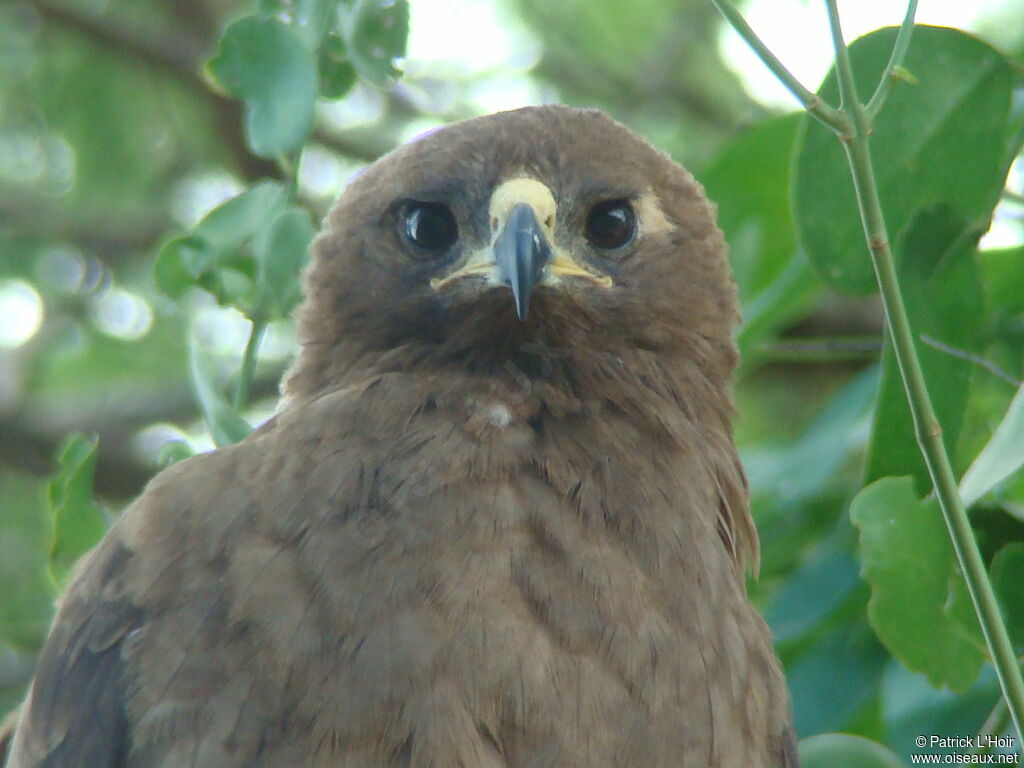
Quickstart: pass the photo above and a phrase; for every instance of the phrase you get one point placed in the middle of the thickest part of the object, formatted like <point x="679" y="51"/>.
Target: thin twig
<point x="821" y="350"/>
<point x="891" y="72"/>
<point x="811" y="102"/>
<point x="970" y="357"/>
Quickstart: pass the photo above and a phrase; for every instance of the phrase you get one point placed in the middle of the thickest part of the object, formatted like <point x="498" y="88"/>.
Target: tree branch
<point x="812" y="103"/>
<point x="892" y="70"/>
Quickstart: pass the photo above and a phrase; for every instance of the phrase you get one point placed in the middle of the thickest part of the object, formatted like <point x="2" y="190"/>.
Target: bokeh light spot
<point x="21" y="312"/>
<point x="122" y="314"/>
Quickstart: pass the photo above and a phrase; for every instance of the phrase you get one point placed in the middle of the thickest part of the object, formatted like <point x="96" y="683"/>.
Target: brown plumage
<point x="465" y="540"/>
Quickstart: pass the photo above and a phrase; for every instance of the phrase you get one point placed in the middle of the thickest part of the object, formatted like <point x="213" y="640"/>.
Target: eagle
<point x="497" y="520"/>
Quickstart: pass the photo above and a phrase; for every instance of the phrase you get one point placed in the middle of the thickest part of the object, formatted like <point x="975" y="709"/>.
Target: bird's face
<point x="545" y="222"/>
<point x="522" y="253"/>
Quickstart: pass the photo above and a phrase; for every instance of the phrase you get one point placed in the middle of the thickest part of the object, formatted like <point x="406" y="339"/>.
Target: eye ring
<point x="611" y="224"/>
<point x="430" y="228"/>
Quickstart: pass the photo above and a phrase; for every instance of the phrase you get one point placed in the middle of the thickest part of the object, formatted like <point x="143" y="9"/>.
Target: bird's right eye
<point x="430" y="227"/>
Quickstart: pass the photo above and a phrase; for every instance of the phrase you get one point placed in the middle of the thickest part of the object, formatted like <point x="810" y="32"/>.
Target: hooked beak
<point x="521" y="250"/>
<point x="521" y="253"/>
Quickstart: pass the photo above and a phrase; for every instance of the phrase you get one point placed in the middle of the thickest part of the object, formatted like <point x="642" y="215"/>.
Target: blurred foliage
<point x="161" y="169"/>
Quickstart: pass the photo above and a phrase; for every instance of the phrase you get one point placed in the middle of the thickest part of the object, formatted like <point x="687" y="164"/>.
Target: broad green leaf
<point x="375" y="33"/>
<point x="778" y="304"/>
<point x="835" y="677"/>
<point x="246" y="215"/>
<point x="174" y="452"/>
<point x="940" y="140"/>
<point x="907" y="560"/>
<point x="232" y="287"/>
<point x="749" y="182"/>
<point x="1007" y="573"/>
<point x="284" y="255"/>
<point x="843" y="750"/>
<point x="225" y="425"/>
<point x="824" y="580"/>
<point x="180" y="263"/>
<point x="264" y="63"/>
<point x="26" y="535"/>
<point x="313" y="19"/>
<point x="337" y="75"/>
<point x="942" y="293"/>
<point x="789" y="473"/>
<point x="1000" y="458"/>
<point x="913" y="707"/>
<point x="78" y="522"/>
<point x="225" y="251"/>
<point x="1002" y="273"/>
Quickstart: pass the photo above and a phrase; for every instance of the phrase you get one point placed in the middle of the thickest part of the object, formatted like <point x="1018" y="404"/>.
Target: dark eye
<point x="430" y="226"/>
<point x="611" y="224"/>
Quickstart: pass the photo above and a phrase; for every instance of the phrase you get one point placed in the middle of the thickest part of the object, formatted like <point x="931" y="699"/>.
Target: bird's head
<point x="479" y="239"/>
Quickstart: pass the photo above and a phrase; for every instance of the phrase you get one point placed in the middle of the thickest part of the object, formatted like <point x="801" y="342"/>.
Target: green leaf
<point x="225" y="252"/>
<point x="225" y="425"/>
<point x="835" y="677"/>
<point x="27" y="585"/>
<point x="843" y="750"/>
<point x="265" y="63"/>
<point x="1007" y="573"/>
<point x="907" y="559"/>
<point x="78" y="522"/>
<point x="919" y="147"/>
<point x="1002" y="273"/>
<point x="174" y="452"/>
<point x="942" y="293"/>
<point x="824" y="580"/>
<point x="337" y="75"/>
<point x="235" y="288"/>
<point x="284" y="255"/>
<point x="791" y="472"/>
<point x="180" y="263"/>
<point x="313" y="19"/>
<point x="913" y="707"/>
<point x="1000" y="458"/>
<point x="375" y="34"/>
<point x="228" y="226"/>
<point x="749" y="182"/>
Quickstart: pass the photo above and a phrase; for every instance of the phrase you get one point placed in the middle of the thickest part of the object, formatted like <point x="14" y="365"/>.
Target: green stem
<point x="891" y="72"/>
<point x="926" y="425"/>
<point x="289" y="165"/>
<point x="829" y="349"/>
<point x="994" y="725"/>
<point x="811" y="102"/>
<point x="248" y="368"/>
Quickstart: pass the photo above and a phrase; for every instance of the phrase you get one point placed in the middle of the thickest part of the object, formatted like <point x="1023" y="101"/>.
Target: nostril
<point x="494" y="223"/>
<point x="549" y="222"/>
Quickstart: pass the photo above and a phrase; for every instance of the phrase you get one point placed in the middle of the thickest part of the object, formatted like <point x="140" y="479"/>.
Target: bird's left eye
<point x="430" y="227"/>
<point x="611" y="224"/>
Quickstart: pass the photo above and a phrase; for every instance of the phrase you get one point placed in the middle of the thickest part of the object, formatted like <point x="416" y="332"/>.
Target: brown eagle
<point x="498" y="520"/>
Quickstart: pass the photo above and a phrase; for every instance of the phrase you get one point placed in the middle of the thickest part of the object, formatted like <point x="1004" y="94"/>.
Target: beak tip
<point x="522" y="302"/>
<point x="521" y="250"/>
